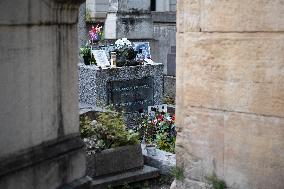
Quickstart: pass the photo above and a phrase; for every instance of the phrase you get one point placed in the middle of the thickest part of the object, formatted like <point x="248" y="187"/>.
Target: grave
<point x="130" y="88"/>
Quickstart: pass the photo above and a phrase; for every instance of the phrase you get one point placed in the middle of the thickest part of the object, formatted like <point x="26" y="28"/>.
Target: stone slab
<point x="128" y="177"/>
<point x="114" y="160"/>
<point x="234" y="71"/>
<point x="164" y="161"/>
<point x="171" y="64"/>
<point x="220" y="15"/>
<point x="131" y="95"/>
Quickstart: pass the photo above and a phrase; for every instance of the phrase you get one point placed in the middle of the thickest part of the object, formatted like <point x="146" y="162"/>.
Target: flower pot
<point x="151" y="149"/>
<point x="115" y="160"/>
<point x="86" y="60"/>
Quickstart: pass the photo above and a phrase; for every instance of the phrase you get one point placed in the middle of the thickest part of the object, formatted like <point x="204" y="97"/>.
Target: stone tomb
<point x="127" y="88"/>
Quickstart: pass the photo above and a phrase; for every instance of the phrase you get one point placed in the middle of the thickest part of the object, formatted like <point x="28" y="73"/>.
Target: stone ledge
<point x="41" y="153"/>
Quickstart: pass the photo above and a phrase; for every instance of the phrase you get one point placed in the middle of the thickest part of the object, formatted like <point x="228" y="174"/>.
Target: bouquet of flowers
<point x="159" y="128"/>
<point x="125" y="54"/>
<point x="96" y="33"/>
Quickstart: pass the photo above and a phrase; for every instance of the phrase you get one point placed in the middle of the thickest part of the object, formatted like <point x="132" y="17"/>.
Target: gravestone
<point x="129" y="88"/>
<point x="131" y="95"/>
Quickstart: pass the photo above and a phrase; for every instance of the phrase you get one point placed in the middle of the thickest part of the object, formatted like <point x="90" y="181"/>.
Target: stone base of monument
<point x="129" y="89"/>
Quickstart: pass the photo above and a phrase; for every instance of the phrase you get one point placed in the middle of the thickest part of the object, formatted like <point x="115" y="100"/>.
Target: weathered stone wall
<point x="230" y="92"/>
<point x="39" y="144"/>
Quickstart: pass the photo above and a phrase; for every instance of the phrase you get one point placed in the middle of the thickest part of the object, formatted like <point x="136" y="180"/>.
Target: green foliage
<point x="169" y="100"/>
<point x="178" y="173"/>
<point x="165" y="143"/>
<point x="111" y="131"/>
<point x="86" y="129"/>
<point x="86" y="53"/>
<point x="216" y="182"/>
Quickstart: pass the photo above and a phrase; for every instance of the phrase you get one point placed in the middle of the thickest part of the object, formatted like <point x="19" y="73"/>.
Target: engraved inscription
<point x="131" y="95"/>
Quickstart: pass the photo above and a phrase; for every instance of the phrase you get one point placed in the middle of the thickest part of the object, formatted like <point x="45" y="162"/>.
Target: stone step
<point x="127" y="177"/>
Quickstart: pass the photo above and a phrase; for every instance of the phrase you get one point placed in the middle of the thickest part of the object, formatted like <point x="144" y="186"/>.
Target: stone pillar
<point x="230" y="92"/>
<point x="40" y="146"/>
<point x="83" y="35"/>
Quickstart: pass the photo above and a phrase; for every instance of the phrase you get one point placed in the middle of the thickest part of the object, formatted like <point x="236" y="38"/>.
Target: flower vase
<point x="151" y="149"/>
<point x="86" y="60"/>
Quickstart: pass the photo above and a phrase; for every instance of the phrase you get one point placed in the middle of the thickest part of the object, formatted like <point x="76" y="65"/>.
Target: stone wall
<point x="230" y="92"/>
<point x="39" y="142"/>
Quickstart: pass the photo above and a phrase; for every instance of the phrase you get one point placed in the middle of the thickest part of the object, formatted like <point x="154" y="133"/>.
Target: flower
<point x="124" y="42"/>
<point x="95" y="33"/>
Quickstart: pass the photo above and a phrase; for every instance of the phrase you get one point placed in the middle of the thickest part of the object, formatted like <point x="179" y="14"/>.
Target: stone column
<point x="230" y="92"/>
<point x="40" y="146"/>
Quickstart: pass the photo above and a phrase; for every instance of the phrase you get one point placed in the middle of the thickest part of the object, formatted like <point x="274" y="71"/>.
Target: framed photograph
<point x="143" y="49"/>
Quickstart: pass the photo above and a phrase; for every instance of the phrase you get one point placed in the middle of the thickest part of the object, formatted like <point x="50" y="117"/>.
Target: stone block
<point x="233" y="72"/>
<point x="134" y="26"/>
<point x="240" y="148"/>
<point x="221" y="15"/>
<point x="114" y="160"/>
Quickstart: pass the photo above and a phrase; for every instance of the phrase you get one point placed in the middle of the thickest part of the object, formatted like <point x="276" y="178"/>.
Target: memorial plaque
<point x="101" y="58"/>
<point x="131" y="95"/>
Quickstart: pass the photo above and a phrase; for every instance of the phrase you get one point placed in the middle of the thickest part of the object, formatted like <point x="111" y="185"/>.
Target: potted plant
<point x="87" y="55"/>
<point x="109" y="144"/>
<point x="125" y="53"/>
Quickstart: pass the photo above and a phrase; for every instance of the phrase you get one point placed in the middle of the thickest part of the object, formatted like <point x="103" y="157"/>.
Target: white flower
<point x="124" y="40"/>
<point x="128" y="43"/>
<point x="119" y="43"/>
